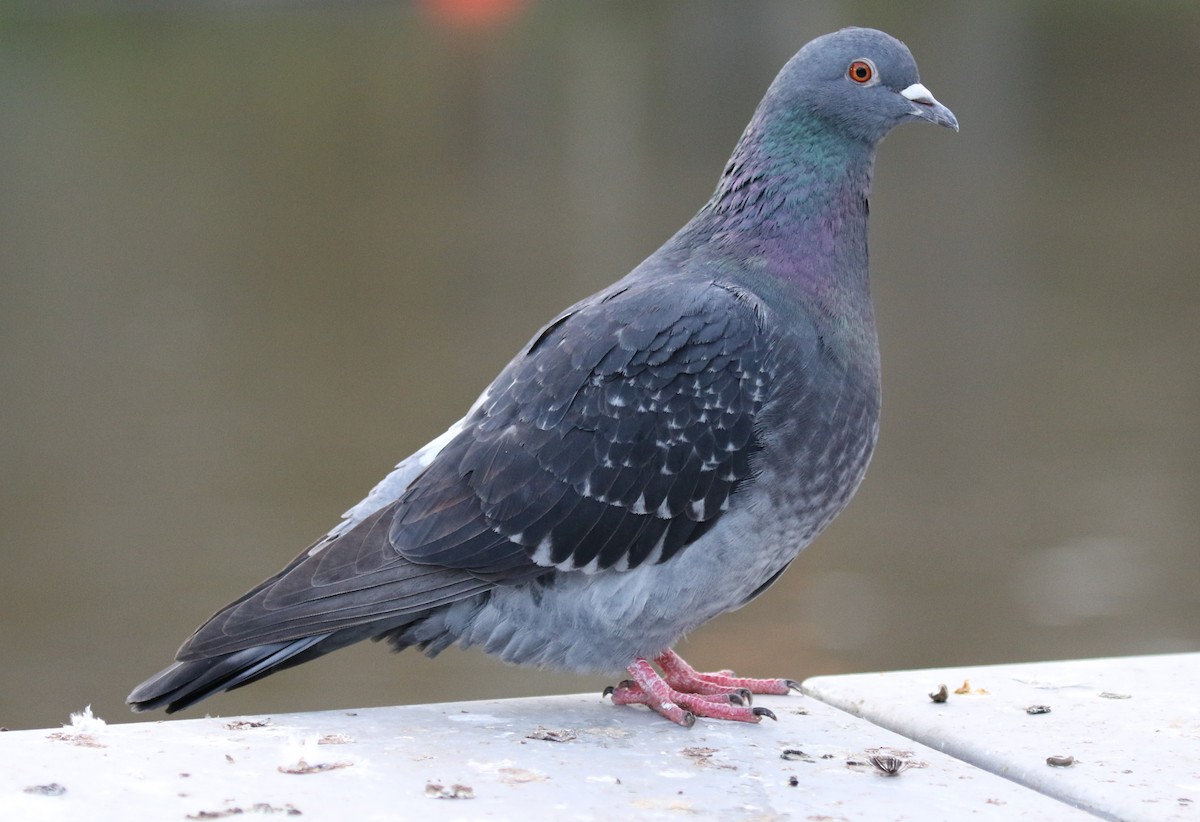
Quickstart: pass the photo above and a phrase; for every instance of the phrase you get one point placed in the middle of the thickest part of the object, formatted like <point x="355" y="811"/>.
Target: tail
<point x="348" y="587"/>
<point x="188" y="681"/>
<point x="340" y="591"/>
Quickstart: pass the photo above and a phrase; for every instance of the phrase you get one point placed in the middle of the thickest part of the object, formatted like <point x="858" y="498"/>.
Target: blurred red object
<point x="473" y="13"/>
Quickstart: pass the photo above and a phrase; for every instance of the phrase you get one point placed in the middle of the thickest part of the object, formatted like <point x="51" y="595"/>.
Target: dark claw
<point x="735" y="699"/>
<point x="746" y="695"/>
<point x="608" y="691"/>
<point x="689" y="719"/>
<point x="764" y="712"/>
<point x="793" y="685"/>
<point x="626" y="684"/>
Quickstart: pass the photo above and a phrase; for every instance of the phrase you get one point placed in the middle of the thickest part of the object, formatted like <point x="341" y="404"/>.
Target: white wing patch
<point x="393" y="486"/>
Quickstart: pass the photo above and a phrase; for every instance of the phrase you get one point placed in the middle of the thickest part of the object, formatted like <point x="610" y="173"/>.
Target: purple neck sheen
<point x="789" y="219"/>
<point x="795" y="191"/>
<point x="790" y="213"/>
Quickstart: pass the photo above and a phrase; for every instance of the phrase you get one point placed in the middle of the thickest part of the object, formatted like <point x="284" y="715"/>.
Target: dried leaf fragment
<point x="81" y="740"/>
<point x="334" y="739"/>
<point x="302" y="767"/>
<point x="258" y="807"/>
<point x="552" y="735"/>
<point x="703" y="758"/>
<point x="436" y="791"/>
<point x="243" y="724"/>
<point x="52" y="789"/>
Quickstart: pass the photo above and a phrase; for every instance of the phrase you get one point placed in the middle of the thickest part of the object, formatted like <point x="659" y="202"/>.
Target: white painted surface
<point x="613" y="763"/>
<point x="1131" y="724"/>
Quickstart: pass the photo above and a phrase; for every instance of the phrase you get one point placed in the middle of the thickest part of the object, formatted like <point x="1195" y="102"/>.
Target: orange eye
<point x="861" y="71"/>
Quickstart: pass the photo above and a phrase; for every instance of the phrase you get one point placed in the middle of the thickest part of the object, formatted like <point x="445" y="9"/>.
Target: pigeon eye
<point x="861" y="71"/>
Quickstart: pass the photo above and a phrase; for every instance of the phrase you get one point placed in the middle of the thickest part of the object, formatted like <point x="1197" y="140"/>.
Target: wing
<point x="617" y="439"/>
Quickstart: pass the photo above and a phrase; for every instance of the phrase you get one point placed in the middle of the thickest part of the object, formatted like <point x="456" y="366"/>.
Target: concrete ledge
<point x="567" y="757"/>
<point x="1130" y="726"/>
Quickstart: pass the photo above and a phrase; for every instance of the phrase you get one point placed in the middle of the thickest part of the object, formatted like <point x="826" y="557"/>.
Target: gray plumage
<point x="655" y="456"/>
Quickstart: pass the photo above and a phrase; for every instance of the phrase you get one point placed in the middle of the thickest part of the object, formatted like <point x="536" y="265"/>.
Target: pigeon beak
<point x="926" y="106"/>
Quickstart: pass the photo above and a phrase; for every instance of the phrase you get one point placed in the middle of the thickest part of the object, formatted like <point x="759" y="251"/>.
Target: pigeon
<point x="655" y="456"/>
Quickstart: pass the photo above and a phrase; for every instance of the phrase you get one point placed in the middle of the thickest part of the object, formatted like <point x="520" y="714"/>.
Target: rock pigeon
<point x="655" y="456"/>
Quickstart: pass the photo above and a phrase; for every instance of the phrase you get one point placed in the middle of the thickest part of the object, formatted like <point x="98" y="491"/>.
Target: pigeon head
<point x="862" y="83"/>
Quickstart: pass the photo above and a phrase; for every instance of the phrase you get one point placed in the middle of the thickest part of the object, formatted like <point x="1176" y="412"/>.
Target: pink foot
<point x="681" y="693"/>
<point x="683" y="677"/>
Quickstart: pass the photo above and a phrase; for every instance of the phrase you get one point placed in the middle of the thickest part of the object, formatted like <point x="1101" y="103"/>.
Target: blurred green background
<point x="255" y="253"/>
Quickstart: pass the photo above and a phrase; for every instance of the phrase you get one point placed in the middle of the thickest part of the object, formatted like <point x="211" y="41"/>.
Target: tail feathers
<point x="188" y="681"/>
